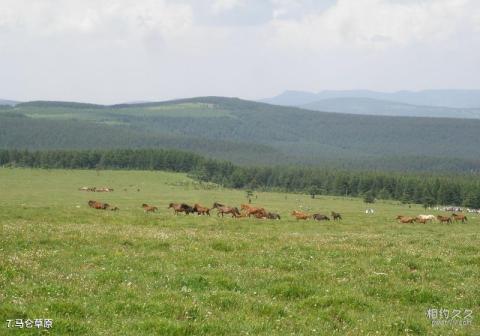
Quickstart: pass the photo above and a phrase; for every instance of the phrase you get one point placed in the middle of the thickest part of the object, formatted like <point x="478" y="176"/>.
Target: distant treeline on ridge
<point x="427" y="189"/>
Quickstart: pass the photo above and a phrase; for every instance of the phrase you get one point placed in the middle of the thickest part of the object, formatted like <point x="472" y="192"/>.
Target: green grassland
<point x="130" y="273"/>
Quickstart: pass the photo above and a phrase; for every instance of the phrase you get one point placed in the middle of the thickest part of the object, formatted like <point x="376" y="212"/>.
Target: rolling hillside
<point x="247" y="132"/>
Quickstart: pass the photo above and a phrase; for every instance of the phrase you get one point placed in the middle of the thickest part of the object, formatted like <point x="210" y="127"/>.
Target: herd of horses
<point x="248" y="210"/>
<point x="102" y="206"/>
<point x="95" y="189"/>
<point x="423" y="219"/>
<point x="299" y="215"/>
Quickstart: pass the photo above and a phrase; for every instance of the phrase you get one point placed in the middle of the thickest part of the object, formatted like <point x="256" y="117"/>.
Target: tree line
<point x="421" y="188"/>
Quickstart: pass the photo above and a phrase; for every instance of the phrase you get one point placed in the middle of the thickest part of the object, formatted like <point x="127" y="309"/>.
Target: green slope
<point x="249" y="132"/>
<point x="17" y="131"/>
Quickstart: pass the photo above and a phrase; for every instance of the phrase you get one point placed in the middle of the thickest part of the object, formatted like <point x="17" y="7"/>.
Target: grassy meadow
<point x="130" y="273"/>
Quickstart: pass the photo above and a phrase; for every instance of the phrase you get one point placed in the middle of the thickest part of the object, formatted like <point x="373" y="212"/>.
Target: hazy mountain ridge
<point x="8" y="102"/>
<point x="369" y="106"/>
<point x="439" y="98"/>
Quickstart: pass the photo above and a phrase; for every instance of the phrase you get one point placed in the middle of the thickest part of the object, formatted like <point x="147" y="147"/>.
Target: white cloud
<point x="120" y="50"/>
<point x="376" y="23"/>
<point x="219" y="6"/>
<point x="51" y="17"/>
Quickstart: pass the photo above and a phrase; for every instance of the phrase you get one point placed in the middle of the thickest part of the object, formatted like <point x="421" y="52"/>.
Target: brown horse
<point x="444" y="219"/>
<point x="260" y="215"/>
<point x="149" y="208"/>
<point x="407" y="220"/>
<point x="257" y="212"/>
<point x="201" y="210"/>
<point x="459" y="217"/>
<point x="251" y="210"/>
<point x="300" y="215"/>
<point x="181" y="207"/>
<point x="336" y="216"/>
<point x="223" y="209"/>
<point x="320" y="217"/>
<point x="98" y="205"/>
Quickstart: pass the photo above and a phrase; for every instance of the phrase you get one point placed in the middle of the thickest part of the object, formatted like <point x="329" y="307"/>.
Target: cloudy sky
<point x="109" y="51"/>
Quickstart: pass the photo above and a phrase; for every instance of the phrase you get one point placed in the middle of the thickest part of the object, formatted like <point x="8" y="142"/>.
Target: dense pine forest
<point x="248" y="133"/>
<point x="427" y="189"/>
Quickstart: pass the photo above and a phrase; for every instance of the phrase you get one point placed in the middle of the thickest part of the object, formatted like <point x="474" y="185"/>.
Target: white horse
<point x="427" y="217"/>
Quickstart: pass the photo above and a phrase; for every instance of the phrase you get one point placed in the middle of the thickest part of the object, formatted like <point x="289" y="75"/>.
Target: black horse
<point x="336" y="215"/>
<point x="320" y="217"/>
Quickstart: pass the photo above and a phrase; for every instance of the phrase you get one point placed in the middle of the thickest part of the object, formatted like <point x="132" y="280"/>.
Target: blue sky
<point x="110" y="51"/>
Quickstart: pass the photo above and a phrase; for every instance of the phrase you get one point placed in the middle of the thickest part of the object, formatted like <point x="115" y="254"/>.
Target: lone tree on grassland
<point x="368" y="197"/>
<point x="313" y="191"/>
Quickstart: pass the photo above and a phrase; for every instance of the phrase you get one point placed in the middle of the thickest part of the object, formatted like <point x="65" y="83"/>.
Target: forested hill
<point x="248" y="132"/>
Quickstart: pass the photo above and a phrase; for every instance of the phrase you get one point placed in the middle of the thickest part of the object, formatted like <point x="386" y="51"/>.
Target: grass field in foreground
<point x="129" y="273"/>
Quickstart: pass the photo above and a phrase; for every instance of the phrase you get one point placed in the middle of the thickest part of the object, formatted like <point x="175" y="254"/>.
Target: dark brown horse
<point x="181" y="207"/>
<point x="149" y="208"/>
<point x="336" y="215"/>
<point x="320" y="217"/>
<point x="223" y="209"/>
<point x="459" y="217"/>
<point x="273" y="215"/>
<point x="201" y="210"/>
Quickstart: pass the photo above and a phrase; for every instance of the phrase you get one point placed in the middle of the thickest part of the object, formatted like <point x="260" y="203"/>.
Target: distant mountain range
<point x="428" y="103"/>
<point x="369" y="106"/>
<point x="444" y="98"/>
<point x="8" y="102"/>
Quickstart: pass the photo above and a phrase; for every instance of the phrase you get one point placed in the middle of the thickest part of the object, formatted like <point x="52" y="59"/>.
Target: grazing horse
<point x="273" y="215"/>
<point x="223" y="209"/>
<point x="320" y="217"/>
<point x="336" y="215"/>
<point x="201" y="210"/>
<point x="459" y="217"/>
<point x="149" y="208"/>
<point x="98" y="205"/>
<point x="182" y="207"/>
<point x="300" y="215"/>
<point x="444" y="219"/>
<point x="406" y="220"/>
